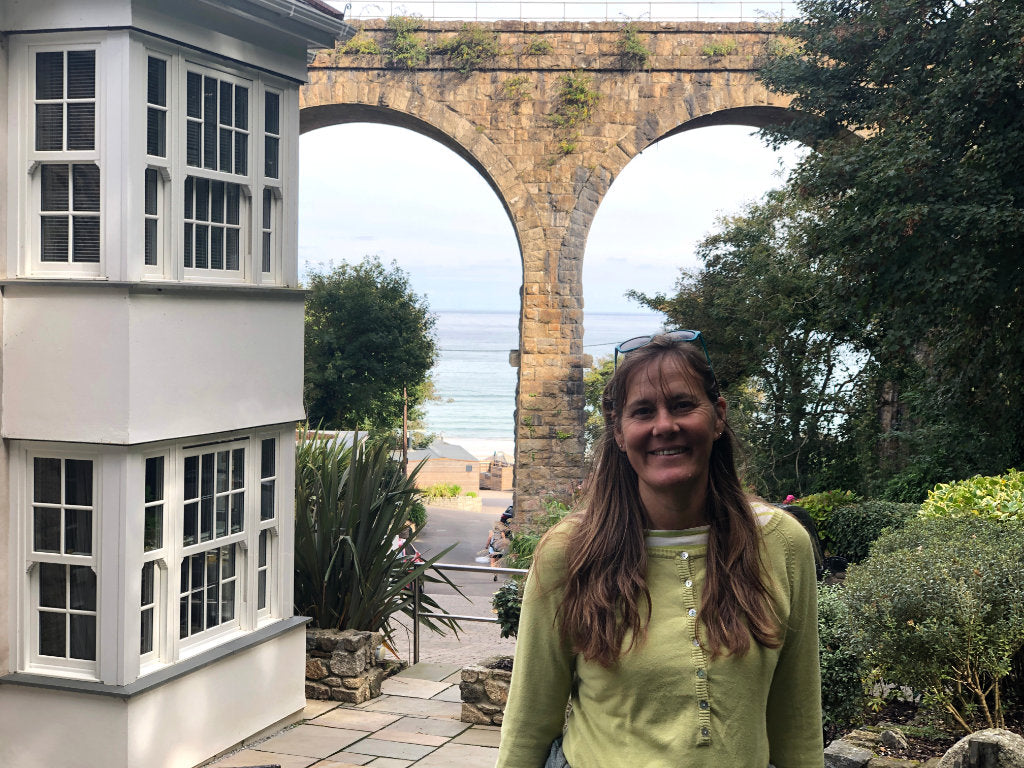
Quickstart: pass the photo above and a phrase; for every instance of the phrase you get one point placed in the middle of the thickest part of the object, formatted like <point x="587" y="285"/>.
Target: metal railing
<point x="417" y="590"/>
<point x="576" y="10"/>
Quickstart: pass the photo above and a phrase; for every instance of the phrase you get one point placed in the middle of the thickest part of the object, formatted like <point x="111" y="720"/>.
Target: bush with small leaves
<point x="999" y="497"/>
<point x="538" y="46"/>
<point x="720" y="48"/>
<point x="820" y="505"/>
<point x="850" y="529"/>
<point x="939" y="606"/>
<point x="361" y="45"/>
<point x="842" y="670"/>
<point x="507" y="603"/>
<point x="405" y="48"/>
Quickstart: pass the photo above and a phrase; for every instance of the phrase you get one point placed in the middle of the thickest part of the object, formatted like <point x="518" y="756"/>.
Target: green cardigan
<point x="667" y="703"/>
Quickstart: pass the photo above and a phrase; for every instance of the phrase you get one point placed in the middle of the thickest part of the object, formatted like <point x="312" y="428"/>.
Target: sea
<point x="475" y="386"/>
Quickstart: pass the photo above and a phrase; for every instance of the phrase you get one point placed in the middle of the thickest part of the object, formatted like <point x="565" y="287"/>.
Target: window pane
<point x="225" y="149"/>
<point x="54" y="188"/>
<point x="196" y="611"/>
<point x="237" y="512"/>
<point x="83" y="637"/>
<point x="194" y="96"/>
<point x="49" y="127"/>
<point x="54" y="231"/>
<point x="261" y="590"/>
<point x="227" y="562"/>
<point x="265" y="266"/>
<point x="231" y="249"/>
<point x="268" y="457"/>
<point x="50" y="75"/>
<point x="148" y="581"/>
<point x="217" y="201"/>
<point x="191" y="523"/>
<point x="46" y="480"/>
<point x="86" y="244"/>
<point x="151" y="243"/>
<point x="233" y="203"/>
<point x="151" y="191"/>
<point x="241" y="154"/>
<point x="222" y="471"/>
<point x="226" y="104"/>
<point x="268" y="197"/>
<point x="206" y="518"/>
<point x="227" y="612"/>
<point x="183" y="617"/>
<point x="207" y="477"/>
<point x="212" y="605"/>
<point x="192" y="139"/>
<point x="81" y="122"/>
<point x="209" y="123"/>
<point x="272" y="113"/>
<point x="81" y="74"/>
<point x="155" y="479"/>
<point x="156" y="132"/>
<point x="202" y="199"/>
<point x="52" y="585"/>
<point x="156" y="82"/>
<point x="267" y="500"/>
<point x="46" y="529"/>
<point x="222" y="515"/>
<point x="187" y="258"/>
<point x="241" y="107"/>
<point x="270" y="157"/>
<point x="78" y="482"/>
<point x="52" y="641"/>
<point x="238" y="468"/>
<point x="202" y="246"/>
<point x="189" y="196"/>
<point x="153" y="538"/>
<point x="86" y="187"/>
<point x="191" y="477"/>
<point x="77" y="532"/>
<point x="264" y="537"/>
<point x="146" y="638"/>
<point x="83" y="588"/>
<point x="216" y="248"/>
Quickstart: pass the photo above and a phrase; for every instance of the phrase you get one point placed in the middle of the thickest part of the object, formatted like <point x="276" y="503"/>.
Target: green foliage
<point x="788" y="358"/>
<point x="350" y="504"/>
<point x="405" y="49"/>
<point x="517" y="90"/>
<point x="528" y="535"/>
<point x="594" y="381"/>
<point x="538" y="46"/>
<point x="923" y="213"/>
<point x="994" y="498"/>
<point x="723" y="47"/>
<point x="851" y="529"/>
<point x="567" y="146"/>
<point x="442" y="491"/>
<point x="367" y="336"/>
<point x="842" y="671"/>
<point x="418" y="514"/>
<point x="471" y="48"/>
<point x="820" y="505"/>
<point x="361" y="45"/>
<point x="939" y="606"/>
<point x="576" y="100"/>
<point x="633" y="51"/>
<point x="507" y="603"/>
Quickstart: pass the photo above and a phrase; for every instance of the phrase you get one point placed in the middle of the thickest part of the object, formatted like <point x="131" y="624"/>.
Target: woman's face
<point x="667" y="427"/>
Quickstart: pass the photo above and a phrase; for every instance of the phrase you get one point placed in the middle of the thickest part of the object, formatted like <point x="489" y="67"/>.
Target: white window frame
<point x="158" y="556"/>
<point x="161" y="165"/>
<point x="32" y="263"/>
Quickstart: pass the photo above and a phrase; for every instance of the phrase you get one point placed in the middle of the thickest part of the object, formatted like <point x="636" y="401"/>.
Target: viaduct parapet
<point x="552" y="179"/>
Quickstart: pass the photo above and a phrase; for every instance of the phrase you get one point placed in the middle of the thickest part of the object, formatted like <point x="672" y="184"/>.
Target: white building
<point x="151" y="375"/>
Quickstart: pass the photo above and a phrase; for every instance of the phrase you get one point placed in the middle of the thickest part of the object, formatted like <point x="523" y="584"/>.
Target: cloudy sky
<point x="374" y="189"/>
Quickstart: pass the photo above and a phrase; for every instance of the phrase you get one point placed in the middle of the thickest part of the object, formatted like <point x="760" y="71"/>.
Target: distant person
<point x="675" y="614"/>
<point x="498" y="542"/>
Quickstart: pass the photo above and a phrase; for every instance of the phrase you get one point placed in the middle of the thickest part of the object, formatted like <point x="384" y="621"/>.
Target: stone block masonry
<point x="343" y="665"/>
<point x="552" y="179"/>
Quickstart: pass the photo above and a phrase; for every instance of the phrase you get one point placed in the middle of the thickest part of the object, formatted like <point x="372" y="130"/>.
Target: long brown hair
<point x="606" y="557"/>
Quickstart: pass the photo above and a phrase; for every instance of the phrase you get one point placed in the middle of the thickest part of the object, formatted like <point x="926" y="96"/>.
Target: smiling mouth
<point x="668" y="452"/>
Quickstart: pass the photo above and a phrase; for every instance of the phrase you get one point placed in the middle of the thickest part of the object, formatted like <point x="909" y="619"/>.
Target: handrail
<point x="578" y="10"/>
<point x="417" y="588"/>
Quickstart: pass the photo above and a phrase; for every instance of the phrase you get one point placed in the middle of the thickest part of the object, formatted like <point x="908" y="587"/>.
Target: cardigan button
<point x="701" y="674"/>
<point x="703" y="704"/>
<point x="688" y="584"/>
<point x="705" y="732"/>
<point x="684" y="555"/>
<point x="692" y="612"/>
<point x="696" y="643"/>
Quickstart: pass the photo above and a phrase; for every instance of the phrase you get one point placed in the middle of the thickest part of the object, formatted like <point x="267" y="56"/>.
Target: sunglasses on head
<point x="680" y="334"/>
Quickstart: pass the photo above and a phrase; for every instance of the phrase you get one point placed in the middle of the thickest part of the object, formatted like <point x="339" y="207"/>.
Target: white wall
<point x="101" y="364"/>
<point x="5" y="594"/>
<point x="177" y="725"/>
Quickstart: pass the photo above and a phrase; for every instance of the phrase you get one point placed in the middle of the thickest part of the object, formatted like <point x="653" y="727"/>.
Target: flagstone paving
<point x="415" y="722"/>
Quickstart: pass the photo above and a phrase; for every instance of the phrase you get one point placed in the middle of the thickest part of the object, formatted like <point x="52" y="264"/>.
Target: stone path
<point x="414" y="722"/>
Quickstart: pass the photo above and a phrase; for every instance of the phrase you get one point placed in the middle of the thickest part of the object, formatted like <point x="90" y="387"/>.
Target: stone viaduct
<point x="551" y="179"/>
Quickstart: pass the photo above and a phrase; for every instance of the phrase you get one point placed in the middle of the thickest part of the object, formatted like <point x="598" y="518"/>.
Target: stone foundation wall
<point x="484" y="692"/>
<point x="343" y="665"/>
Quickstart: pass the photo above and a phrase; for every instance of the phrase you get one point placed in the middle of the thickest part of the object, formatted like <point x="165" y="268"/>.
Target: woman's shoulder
<point x="552" y="551"/>
<point x="780" y="526"/>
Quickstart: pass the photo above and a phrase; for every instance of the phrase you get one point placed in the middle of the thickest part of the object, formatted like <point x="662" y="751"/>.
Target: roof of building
<point x="323" y="8"/>
<point x="442" y="450"/>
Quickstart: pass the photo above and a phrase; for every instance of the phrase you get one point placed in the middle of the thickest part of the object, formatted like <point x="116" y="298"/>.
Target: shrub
<point x="722" y="47"/>
<point x="633" y="51"/>
<point x="361" y="45"/>
<point x="538" y="46"/>
<point x="820" y="505"/>
<point x="575" y="102"/>
<point x="528" y="536"/>
<point x="350" y="505"/>
<point x="842" y="671"/>
<point x="939" y="606"/>
<point x="405" y="48"/>
<point x="418" y="514"/>
<point x="517" y="90"/>
<point x="997" y="498"/>
<point x="470" y="49"/>
<point x="851" y="529"/>
<point x="442" y="491"/>
<point x="507" y="603"/>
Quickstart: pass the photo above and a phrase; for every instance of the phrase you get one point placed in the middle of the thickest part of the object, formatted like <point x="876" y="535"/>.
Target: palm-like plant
<point x="350" y="505"/>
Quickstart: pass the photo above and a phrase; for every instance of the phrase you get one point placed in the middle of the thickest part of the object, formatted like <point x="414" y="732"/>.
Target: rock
<point x="374" y="677"/>
<point x="317" y="691"/>
<point x="348" y="664"/>
<point x="497" y="691"/>
<point x="470" y="714"/>
<point x="868" y="740"/>
<point x="350" y="696"/>
<point x="894" y="739"/>
<point x="892" y="762"/>
<point x="843" y="754"/>
<point x="316" y="669"/>
<point x="991" y="748"/>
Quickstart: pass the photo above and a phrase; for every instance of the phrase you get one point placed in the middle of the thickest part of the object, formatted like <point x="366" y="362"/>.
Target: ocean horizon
<point x="475" y="386"/>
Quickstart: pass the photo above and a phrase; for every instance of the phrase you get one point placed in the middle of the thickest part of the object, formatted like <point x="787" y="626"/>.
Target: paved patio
<point x="415" y="721"/>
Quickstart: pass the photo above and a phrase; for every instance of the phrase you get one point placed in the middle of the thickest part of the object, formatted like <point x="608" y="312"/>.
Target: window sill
<point x="151" y="286"/>
<point x="162" y="676"/>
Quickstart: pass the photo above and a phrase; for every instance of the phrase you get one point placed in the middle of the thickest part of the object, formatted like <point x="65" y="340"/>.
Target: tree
<point x="788" y="361"/>
<point x="922" y="217"/>
<point x="594" y="381"/>
<point x="368" y="336"/>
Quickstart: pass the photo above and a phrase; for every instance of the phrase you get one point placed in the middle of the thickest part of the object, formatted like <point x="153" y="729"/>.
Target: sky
<point x="368" y="189"/>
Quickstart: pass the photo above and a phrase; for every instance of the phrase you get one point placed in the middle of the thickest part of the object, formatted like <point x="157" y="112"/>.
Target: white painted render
<point x="116" y="365"/>
<point x="176" y="725"/>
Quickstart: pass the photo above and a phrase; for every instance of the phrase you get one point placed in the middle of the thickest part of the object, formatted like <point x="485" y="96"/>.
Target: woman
<point x="675" y="615"/>
<point x="498" y="542"/>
